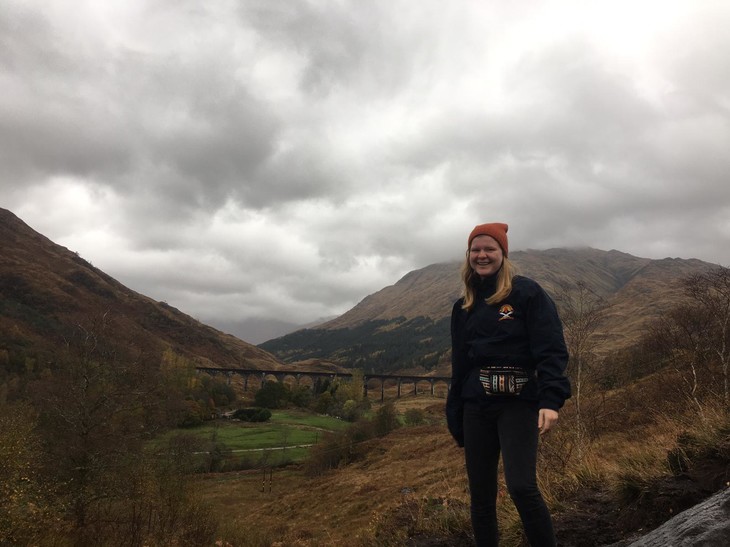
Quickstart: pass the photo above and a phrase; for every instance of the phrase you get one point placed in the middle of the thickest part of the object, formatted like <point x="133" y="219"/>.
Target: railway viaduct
<point x="297" y="375"/>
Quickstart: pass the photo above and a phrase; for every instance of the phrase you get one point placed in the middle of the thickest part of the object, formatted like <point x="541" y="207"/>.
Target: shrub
<point x="301" y="396"/>
<point x="272" y="395"/>
<point x="414" y="416"/>
<point x="193" y="414"/>
<point x="325" y="455"/>
<point x="253" y="414"/>
<point x="351" y="411"/>
<point x="337" y="449"/>
<point x="386" y="420"/>
<point x="443" y="520"/>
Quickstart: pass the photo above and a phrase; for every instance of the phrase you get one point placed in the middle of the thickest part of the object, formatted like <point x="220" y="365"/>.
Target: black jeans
<point x="509" y="426"/>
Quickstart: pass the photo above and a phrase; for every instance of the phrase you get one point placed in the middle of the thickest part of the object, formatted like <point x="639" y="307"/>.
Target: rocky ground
<point x="705" y="524"/>
<point x="697" y="503"/>
<point x="597" y="517"/>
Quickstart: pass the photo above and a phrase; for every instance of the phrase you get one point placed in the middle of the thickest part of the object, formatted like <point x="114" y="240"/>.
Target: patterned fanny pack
<point x="504" y="380"/>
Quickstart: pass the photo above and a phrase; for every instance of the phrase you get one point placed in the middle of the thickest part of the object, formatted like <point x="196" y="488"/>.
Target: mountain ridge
<point x="46" y="289"/>
<point x="415" y="310"/>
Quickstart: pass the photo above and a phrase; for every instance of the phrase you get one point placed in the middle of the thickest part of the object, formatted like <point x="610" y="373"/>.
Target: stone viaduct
<point x="297" y="375"/>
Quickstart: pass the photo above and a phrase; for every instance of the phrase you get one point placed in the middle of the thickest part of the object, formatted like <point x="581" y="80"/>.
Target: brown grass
<point x="405" y="471"/>
<point x="412" y="483"/>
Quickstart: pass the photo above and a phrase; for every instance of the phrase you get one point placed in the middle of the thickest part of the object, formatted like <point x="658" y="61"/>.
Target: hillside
<point x="406" y="326"/>
<point x="45" y="290"/>
<point x="410" y="487"/>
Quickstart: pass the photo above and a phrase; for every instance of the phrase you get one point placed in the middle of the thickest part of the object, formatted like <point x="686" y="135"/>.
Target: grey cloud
<point x="202" y="136"/>
<point x="31" y="44"/>
<point x="290" y="158"/>
<point x="130" y="120"/>
<point x="301" y="173"/>
<point x="584" y="146"/>
<point x="50" y="120"/>
<point x="347" y="46"/>
<point x="565" y="104"/>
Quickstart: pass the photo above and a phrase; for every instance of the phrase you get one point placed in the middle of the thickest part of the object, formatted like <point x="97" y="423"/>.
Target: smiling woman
<point x="485" y="255"/>
<point x="507" y="383"/>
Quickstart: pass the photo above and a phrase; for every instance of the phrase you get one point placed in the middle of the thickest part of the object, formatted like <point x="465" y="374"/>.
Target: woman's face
<point x="485" y="256"/>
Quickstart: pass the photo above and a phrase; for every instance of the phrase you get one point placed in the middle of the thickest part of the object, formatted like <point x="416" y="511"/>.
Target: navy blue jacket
<point x="523" y="330"/>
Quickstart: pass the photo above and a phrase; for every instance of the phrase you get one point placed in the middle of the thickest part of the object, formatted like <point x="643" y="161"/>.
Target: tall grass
<point x="433" y="518"/>
<point x="622" y="465"/>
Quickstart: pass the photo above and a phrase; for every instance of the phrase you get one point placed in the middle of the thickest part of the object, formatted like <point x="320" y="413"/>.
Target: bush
<point x="351" y="411"/>
<point x="301" y="396"/>
<point x="414" y="416"/>
<point x="443" y="520"/>
<point x="253" y="414"/>
<point x="337" y="449"/>
<point x="272" y="395"/>
<point x="193" y="414"/>
<point x="386" y="420"/>
<point x="326" y="454"/>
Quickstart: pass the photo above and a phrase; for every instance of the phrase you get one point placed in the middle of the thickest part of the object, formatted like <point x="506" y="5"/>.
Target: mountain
<point x="405" y="327"/>
<point x="257" y="330"/>
<point x="46" y="290"/>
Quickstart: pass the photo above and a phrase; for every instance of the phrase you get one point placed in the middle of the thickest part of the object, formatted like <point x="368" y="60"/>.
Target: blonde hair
<point x="504" y="283"/>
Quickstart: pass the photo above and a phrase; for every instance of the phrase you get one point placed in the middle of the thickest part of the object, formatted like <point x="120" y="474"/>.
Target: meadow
<point x="284" y="439"/>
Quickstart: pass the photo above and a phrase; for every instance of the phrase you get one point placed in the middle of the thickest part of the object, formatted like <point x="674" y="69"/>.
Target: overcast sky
<point x="282" y="159"/>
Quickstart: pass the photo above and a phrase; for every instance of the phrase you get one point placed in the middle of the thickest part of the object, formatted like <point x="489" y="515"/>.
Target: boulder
<point x="706" y="524"/>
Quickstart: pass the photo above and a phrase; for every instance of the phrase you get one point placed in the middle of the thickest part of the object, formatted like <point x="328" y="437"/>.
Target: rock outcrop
<point x="706" y="524"/>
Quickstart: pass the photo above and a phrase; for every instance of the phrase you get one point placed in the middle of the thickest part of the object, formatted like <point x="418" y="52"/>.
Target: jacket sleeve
<point x="547" y="345"/>
<point x="454" y="402"/>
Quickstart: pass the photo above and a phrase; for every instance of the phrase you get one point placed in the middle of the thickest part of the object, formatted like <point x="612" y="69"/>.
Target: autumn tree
<point x="272" y="395"/>
<point x="192" y="397"/>
<point x="709" y="292"/>
<point x="96" y="407"/>
<point x="694" y="336"/>
<point x="350" y="397"/>
<point x="23" y="507"/>
<point x="680" y="340"/>
<point x="581" y="311"/>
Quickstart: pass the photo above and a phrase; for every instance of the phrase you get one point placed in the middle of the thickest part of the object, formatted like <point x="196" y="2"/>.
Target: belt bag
<point x="504" y="380"/>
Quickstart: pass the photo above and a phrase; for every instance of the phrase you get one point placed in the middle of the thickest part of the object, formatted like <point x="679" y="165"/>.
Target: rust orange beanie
<point x="497" y="230"/>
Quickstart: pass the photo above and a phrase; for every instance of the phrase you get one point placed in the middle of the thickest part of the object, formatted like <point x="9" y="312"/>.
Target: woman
<point x="508" y="383"/>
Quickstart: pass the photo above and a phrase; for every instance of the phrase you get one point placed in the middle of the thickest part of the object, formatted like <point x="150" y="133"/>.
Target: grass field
<point x="275" y="442"/>
<point x="351" y="505"/>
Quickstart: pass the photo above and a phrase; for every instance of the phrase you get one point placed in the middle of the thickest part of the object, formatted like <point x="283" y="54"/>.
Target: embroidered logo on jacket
<point x="506" y="312"/>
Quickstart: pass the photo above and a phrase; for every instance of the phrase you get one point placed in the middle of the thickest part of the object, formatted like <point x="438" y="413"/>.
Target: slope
<point x="46" y="290"/>
<point x="406" y="326"/>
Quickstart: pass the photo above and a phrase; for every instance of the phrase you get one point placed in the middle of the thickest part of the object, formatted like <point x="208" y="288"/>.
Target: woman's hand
<point x="546" y="420"/>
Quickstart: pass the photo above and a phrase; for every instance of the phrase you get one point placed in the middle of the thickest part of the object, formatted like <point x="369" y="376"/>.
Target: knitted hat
<point x="497" y="230"/>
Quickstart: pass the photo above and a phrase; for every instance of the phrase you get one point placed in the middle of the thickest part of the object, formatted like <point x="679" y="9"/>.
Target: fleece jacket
<point x="523" y="330"/>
